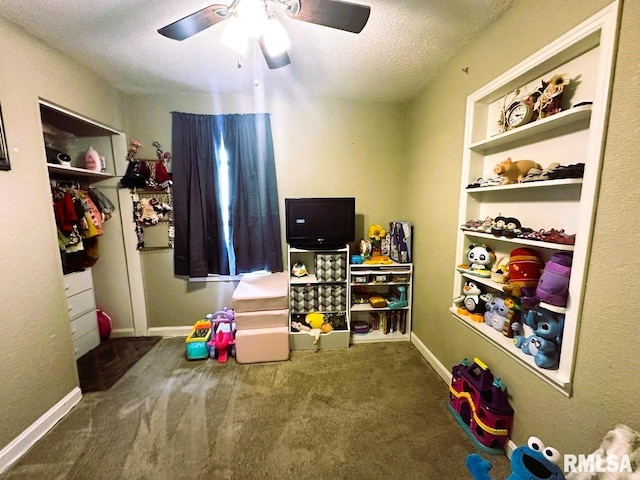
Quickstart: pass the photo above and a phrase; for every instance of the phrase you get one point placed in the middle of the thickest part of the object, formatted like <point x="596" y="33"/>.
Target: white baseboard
<point x="431" y="359"/>
<point x="445" y="374"/>
<point x="23" y="442"/>
<point x="170" y="331"/>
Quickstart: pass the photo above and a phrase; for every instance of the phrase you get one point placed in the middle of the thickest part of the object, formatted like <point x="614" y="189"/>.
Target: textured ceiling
<point x="404" y="44"/>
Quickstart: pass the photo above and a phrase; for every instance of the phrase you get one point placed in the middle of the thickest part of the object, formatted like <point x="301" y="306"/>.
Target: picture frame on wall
<point x="4" y="150"/>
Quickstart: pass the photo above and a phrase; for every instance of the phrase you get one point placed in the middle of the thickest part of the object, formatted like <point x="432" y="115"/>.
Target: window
<point x="225" y="195"/>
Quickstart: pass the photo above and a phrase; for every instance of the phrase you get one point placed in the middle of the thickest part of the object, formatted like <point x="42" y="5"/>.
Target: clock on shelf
<point x="520" y="113"/>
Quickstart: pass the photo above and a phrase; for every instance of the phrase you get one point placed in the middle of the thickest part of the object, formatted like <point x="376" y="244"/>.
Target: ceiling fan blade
<point x="274" y="61"/>
<point x="196" y="22"/>
<point x="339" y="14"/>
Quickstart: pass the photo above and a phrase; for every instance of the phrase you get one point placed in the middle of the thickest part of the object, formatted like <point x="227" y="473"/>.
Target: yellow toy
<point x="315" y="319"/>
<point x="514" y="172"/>
<point x="326" y="327"/>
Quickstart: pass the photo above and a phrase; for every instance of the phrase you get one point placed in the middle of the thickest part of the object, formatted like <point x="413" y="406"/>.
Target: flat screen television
<point x="320" y="223"/>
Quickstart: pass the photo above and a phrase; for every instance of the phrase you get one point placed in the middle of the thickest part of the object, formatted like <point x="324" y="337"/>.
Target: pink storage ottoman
<point x="257" y="293"/>
<point x="264" y="319"/>
<point x="262" y="345"/>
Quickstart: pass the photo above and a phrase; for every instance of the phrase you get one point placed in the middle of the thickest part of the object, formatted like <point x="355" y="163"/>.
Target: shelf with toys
<point x="318" y="298"/>
<point x="381" y="286"/>
<point x="529" y="185"/>
<point x="77" y="146"/>
<point x="520" y="241"/>
<point x="576" y="118"/>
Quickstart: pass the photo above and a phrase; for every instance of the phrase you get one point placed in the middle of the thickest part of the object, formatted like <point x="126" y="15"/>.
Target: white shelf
<point x="520" y="186"/>
<point x="575" y="135"/>
<point x="578" y="117"/>
<point x="387" y="267"/>
<point x="508" y="346"/>
<point x="521" y="241"/>
<point x="378" y="336"/>
<point x="365" y="307"/>
<point x="77" y="172"/>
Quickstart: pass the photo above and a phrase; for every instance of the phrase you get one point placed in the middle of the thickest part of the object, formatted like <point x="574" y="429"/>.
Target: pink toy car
<point x="223" y="342"/>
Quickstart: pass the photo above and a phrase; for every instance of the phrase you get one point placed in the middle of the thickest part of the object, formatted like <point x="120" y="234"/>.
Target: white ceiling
<point x="404" y="44"/>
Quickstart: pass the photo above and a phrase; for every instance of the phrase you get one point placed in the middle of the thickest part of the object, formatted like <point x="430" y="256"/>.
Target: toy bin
<point x="332" y="298"/>
<point x="360" y="277"/>
<point x="304" y="298"/>
<point x="331" y="267"/>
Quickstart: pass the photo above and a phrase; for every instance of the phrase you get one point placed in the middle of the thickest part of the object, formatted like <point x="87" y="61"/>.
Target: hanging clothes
<point x="80" y="222"/>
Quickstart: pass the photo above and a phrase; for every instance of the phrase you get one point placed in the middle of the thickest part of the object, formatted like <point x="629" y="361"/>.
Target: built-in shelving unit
<point x="574" y="135"/>
<point x="70" y="134"/>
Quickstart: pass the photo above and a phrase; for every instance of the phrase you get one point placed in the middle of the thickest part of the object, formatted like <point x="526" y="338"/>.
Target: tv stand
<point x="325" y="289"/>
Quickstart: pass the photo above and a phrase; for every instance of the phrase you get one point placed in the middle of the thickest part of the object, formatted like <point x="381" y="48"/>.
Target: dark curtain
<point x="199" y="248"/>
<point x="254" y="215"/>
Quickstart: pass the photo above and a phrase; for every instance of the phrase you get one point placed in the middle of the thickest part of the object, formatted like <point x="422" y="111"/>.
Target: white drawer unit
<point x="78" y="282"/>
<point x="81" y="304"/>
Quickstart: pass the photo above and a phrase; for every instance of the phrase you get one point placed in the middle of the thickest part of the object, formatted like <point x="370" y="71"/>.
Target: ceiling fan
<point x="252" y="19"/>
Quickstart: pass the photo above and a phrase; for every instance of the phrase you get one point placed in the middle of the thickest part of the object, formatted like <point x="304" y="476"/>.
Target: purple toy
<point x="479" y="404"/>
<point x="553" y="286"/>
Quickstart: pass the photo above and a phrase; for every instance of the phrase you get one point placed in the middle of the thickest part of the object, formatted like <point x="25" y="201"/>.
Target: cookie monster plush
<point x="531" y="462"/>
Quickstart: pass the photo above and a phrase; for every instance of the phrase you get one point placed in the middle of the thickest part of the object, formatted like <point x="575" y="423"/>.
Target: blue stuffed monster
<point x="531" y="462"/>
<point x="546" y="339"/>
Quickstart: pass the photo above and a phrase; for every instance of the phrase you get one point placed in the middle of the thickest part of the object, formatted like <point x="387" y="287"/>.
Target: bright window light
<point x="224" y="189"/>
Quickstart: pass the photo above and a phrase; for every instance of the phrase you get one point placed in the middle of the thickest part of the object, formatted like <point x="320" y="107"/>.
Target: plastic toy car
<point x="222" y="342"/>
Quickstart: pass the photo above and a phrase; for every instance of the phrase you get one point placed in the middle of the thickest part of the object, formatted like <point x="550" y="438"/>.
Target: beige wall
<point x="38" y="364"/>
<point x="606" y="379"/>
<point x="322" y="148"/>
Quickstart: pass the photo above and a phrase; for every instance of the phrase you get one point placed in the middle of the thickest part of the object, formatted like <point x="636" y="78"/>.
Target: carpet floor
<point x="372" y="411"/>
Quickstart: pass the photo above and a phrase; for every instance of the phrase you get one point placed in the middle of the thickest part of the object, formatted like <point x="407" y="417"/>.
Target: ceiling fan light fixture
<point x="276" y="40"/>
<point x="235" y="36"/>
<point x="253" y="16"/>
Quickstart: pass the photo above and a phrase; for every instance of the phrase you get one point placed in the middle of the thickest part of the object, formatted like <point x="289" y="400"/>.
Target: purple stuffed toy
<point x="553" y="286"/>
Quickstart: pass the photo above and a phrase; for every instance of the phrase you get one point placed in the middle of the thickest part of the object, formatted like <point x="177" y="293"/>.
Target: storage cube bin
<point x="332" y="298"/>
<point x="399" y="277"/>
<point x="380" y="278"/>
<point x="304" y="298"/>
<point x="360" y="277"/>
<point x="331" y="267"/>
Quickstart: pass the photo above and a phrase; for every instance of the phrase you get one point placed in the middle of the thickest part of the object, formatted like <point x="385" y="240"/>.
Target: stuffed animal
<point x="531" y="462"/>
<point x="326" y="327"/>
<point x="546" y="340"/>
<point x="514" y="172"/>
<point x="314" y="332"/>
<point x="524" y="272"/>
<point x="471" y="301"/>
<point x="553" y="286"/>
<point x="496" y="314"/>
<point x="481" y="257"/>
